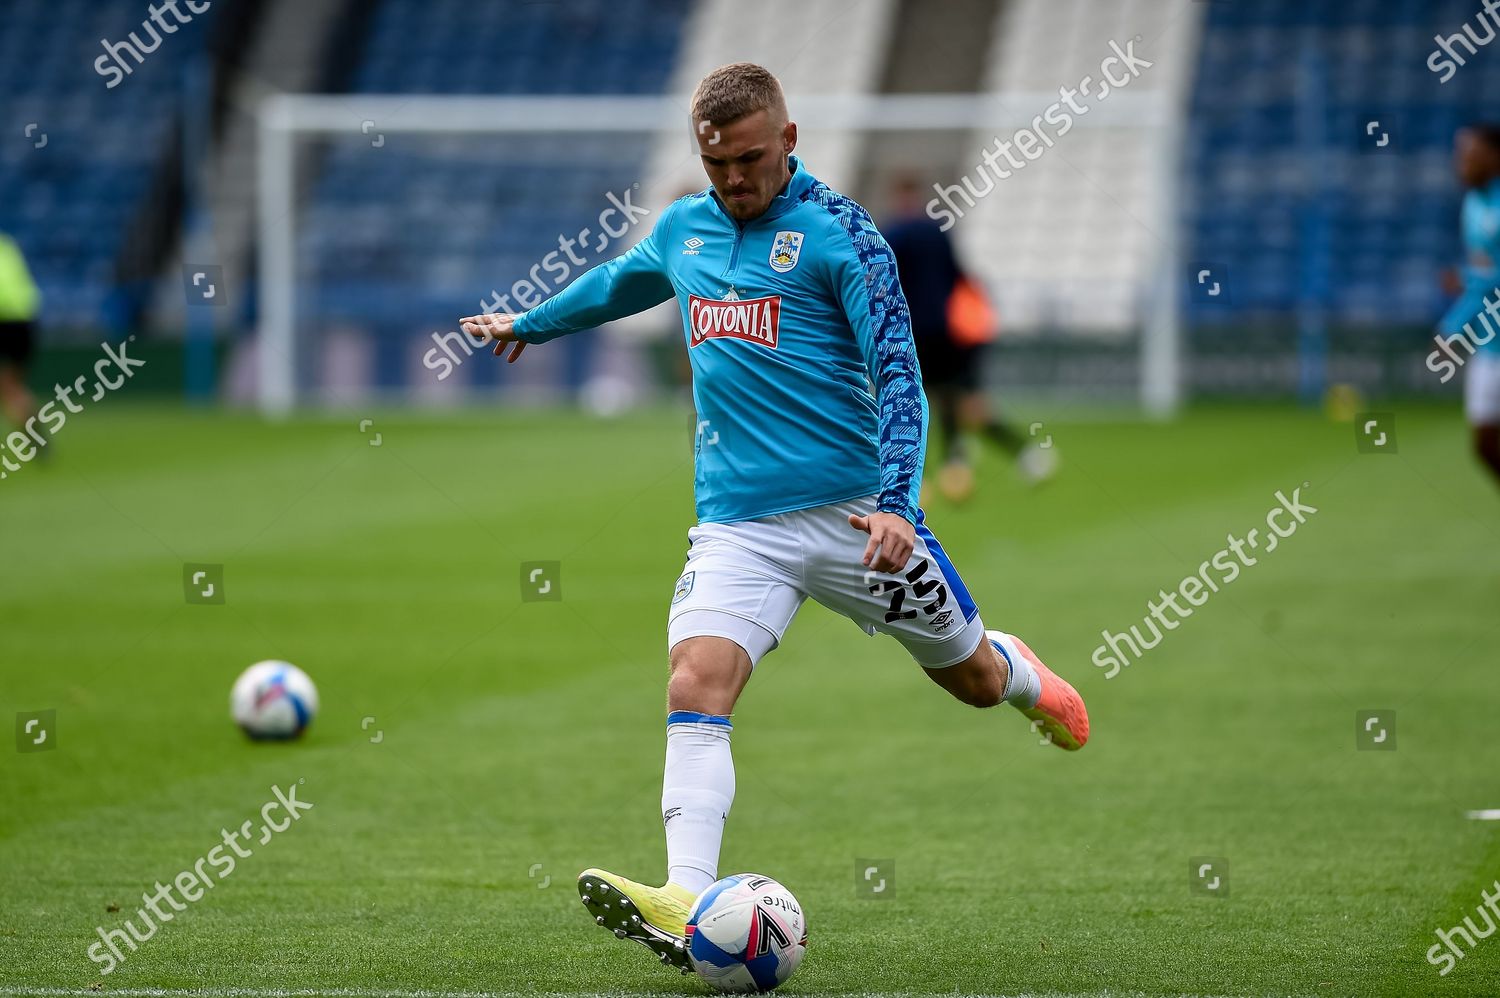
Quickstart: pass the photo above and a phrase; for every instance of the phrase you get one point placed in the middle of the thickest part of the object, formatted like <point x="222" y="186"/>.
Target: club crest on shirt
<point x="684" y="588"/>
<point x="785" y="249"/>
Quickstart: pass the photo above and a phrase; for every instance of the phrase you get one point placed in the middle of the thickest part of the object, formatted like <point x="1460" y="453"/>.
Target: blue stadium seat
<point x="1389" y="217"/>
<point x="410" y="235"/>
<point x="71" y="201"/>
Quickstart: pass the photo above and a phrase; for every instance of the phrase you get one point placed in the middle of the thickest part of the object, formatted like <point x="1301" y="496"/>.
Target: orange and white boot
<point x="1058" y="715"/>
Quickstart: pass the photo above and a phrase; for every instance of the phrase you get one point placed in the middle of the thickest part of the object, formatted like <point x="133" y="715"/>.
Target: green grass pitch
<point x="514" y="743"/>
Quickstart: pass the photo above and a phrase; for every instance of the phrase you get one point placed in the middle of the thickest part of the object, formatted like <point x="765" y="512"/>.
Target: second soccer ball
<point x="273" y="700"/>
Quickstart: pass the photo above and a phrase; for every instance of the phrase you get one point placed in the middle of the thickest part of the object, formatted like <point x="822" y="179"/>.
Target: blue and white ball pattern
<point x="746" y="933"/>
<point x="273" y="700"/>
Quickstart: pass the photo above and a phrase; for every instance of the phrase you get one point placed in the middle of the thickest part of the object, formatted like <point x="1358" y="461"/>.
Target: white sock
<point x="696" y="791"/>
<point x="1025" y="686"/>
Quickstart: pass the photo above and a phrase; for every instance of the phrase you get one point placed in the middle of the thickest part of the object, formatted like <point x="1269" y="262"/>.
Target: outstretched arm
<point x="864" y="276"/>
<point x="630" y="283"/>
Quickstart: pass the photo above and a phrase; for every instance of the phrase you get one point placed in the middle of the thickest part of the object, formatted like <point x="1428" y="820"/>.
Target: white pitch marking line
<point x="1488" y="814"/>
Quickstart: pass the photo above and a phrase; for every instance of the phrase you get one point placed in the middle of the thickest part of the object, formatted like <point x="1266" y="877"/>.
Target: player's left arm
<point x="864" y="277"/>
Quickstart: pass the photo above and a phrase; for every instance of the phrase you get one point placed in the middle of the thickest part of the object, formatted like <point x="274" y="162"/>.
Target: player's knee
<point x="707" y="675"/>
<point x="685" y="685"/>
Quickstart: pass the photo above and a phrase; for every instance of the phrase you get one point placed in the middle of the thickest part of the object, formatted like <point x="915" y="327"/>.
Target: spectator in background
<point x="952" y="322"/>
<point x="19" y="300"/>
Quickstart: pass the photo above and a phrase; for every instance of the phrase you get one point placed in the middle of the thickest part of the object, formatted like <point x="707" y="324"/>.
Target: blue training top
<point x="1481" y="271"/>
<point x="789" y="319"/>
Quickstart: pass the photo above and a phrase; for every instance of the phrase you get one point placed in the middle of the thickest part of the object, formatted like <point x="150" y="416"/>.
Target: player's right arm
<point x="632" y="282"/>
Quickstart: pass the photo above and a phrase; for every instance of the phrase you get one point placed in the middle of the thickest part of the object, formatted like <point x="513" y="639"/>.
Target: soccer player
<point x="806" y="482"/>
<point x="1477" y="157"/>
<point x="952" y="371"/>
<point x="18" y="308"/>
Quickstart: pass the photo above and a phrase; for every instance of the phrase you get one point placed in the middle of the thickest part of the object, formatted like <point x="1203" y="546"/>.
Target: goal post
<point x="289" y="123"/>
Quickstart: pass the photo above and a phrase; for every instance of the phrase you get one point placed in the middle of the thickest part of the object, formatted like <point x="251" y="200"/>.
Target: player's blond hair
<point x="731" y="92"/>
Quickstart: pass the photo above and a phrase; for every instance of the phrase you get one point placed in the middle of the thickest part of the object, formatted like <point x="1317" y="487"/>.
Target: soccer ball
<point x="746" y="933"/>
<point x="273" y="700"/>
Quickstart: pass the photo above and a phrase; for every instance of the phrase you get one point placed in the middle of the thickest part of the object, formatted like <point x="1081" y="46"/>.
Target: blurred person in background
<point x="19" y="300"/>
<point x="952" y="322"/>
<point x="1477" y="159"/>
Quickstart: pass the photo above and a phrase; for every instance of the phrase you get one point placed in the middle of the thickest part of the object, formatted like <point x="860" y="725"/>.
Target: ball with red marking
<point x="746" y="933"/>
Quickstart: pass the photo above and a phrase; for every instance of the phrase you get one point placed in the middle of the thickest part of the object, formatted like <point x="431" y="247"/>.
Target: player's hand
<point x="892" y="539"/>
<point x="499" y="327"/>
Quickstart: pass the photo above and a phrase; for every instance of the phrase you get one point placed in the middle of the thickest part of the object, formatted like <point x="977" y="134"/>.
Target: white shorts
<point x="745" y="582"/>
<point x="1482" y="389"/>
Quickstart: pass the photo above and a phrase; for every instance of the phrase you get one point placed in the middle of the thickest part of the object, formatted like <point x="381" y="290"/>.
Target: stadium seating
<point x="1285" y="83"/>
<point x="397" y="237"/>
<point x="391" y="237"/>
<point x="86" y="168"/>
<point x="840" y="51"/>
<point x="1074" y="238"/>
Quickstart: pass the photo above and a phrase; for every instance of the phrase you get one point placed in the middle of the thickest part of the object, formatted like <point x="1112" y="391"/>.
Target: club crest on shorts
<point x="684" y="587"/>
<point x="785" y="249"/>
